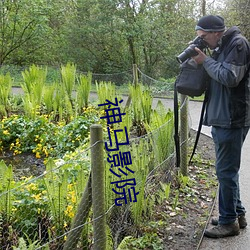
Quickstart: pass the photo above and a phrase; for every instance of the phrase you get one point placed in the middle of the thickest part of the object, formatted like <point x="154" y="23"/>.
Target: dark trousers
<point x="228" y="145"/>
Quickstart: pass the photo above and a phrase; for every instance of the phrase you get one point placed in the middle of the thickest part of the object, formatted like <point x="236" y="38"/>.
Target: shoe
<point x="221" y="231"/>
<point x="241" y="219"/>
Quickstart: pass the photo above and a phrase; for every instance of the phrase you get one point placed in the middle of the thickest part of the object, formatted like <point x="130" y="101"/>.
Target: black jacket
<point x="229" y="90"/>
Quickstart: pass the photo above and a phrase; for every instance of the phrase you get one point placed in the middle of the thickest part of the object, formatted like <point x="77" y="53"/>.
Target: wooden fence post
<point x="98" y="187"/>
<point x="135" y="74"/>
<point x="184" y="135"/>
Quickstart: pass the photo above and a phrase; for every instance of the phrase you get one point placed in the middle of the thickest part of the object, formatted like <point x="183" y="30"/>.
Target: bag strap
<point x="199" y="127"/>
<point x="176" y="126"/>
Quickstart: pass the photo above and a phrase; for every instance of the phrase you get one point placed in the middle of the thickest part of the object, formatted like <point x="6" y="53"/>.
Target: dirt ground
<point x="187" y="222"/>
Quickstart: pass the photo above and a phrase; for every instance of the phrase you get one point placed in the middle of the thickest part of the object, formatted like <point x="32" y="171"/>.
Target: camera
<point x="190" y="51"/>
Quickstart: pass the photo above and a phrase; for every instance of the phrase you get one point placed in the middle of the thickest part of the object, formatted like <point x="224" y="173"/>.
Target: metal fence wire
<point x="85" y="202"/>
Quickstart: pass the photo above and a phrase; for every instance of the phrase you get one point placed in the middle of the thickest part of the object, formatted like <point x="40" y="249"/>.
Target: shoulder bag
<point x="192" y="79"/>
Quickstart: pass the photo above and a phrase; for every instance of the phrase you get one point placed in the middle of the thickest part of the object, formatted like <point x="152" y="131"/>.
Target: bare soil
<point x="187" y="222"/>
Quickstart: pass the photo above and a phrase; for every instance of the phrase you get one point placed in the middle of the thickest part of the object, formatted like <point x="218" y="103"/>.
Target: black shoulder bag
<point x="192" y="79"/>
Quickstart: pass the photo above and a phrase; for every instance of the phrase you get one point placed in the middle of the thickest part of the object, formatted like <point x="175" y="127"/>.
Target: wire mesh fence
<point x="158" y="87"/>
<point x="57" y="209"/>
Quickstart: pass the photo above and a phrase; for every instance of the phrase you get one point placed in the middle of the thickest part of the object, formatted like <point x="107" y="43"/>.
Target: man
<point x="228" y="112"/>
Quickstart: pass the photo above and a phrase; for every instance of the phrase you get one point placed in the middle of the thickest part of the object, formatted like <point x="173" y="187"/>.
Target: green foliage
<point x="146" y="99"/>
<point x="165" y="191"/>
<point x="141" y="106"/>
<point x="5" y="90"/>
<point x="147" y="241"/>
<point x="6" y="184"/>
<point x="55" y="99"/>
<point x="34" y="79"/>
<point x="59" y="101"/>
<point x="29" y="245"/>
<point x="176" y="199"/>
<point x="30" y="206"/>
<point x="184" y="181"/>
<point x="33" y="85"/>
<point x="161" y="126"/>
<point x="103" y="36"/>
<point x="73" y="134"/>
<point x="235" y="12"/>
<point x="83" y="91"/>
<point x="163" y="87"/>
<point x="15" y="71"/>
<point x="48" y="98"/>
<point x="51" y="199"/>
<point x="43" y="137"/>
<point x="57" y="188"/>
<point x="23" y="25"/>
<point x="141" y="156"/>
<point x="105" y="91"/>
<point x="22" y="134"/>
<point x="68" y="74"/>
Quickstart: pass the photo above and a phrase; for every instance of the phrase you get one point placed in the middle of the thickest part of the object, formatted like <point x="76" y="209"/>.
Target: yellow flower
<point x="37" y="196"/>
<point x="45" y="151"/>
<point x="6" y="132"/>
<point x="26" y="178"/>
<point x="73" y="199"/>
<point x="31" y="187"/>
<point x="17" y="152"/>
<point x="69" y="211"/>
<point x="38" y="156"/>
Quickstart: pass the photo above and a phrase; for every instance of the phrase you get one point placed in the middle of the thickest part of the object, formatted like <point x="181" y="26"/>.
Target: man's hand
<point x="200" y="58"/>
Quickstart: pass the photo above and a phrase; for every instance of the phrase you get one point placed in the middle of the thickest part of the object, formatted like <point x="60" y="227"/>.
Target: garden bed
<point x="24" y="165"/>
<point x="178" y="221"/>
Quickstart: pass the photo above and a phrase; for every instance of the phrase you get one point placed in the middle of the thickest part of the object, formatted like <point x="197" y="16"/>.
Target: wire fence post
<point x="98" y="187"/>
<point x="184" y="135"/>
<point x="135" y="74"/>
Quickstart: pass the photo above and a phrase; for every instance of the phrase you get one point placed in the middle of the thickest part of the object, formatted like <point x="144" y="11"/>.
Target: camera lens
<point x="190" y="51"/>
<point x="187" y="53"/>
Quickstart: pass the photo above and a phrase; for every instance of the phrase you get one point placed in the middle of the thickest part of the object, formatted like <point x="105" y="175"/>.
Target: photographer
<point x="228" y="112"/>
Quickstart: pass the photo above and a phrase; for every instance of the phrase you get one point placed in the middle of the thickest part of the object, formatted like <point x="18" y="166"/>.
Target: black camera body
<point x="190" y="51"/>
